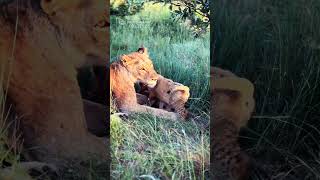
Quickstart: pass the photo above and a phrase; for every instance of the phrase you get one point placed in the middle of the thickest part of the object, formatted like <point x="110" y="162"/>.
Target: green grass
<point x="275" y="44"/>
<point x="10" y="138"/>
<point x="147" y="147"/>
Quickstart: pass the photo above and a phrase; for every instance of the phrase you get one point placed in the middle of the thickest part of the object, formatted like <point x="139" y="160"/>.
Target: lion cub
<point x="232" y="106"/>
<point x="168" y="95"/>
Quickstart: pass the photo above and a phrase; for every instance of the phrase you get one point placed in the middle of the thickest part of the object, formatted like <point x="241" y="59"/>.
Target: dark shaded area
<point x="94" y="86"/>
<point x="275" y="44"/>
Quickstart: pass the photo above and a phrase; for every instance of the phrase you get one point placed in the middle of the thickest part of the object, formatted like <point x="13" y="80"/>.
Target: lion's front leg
<point x="132" y="106"/>
<point x="154" y="111"/>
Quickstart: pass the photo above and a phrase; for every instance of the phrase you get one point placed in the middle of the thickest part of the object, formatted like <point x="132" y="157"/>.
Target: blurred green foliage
<point x="195" y="12"/>
<point x="125" y="7"/>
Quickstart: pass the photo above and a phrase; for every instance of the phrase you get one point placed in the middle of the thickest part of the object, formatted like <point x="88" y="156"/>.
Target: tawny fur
<point x="170" y="95"/>
<point x="232" y="105"/>
<point x="42" y="43"/>
<point x="124" y="73"/>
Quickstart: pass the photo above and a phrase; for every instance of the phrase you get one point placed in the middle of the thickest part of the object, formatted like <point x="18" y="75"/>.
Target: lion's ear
<point x="51" y="7"/>
<point x="143" y="50"/>
<point x="183" y="89"/>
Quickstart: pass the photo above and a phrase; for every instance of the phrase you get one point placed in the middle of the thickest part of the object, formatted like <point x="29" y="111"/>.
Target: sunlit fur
<point x="172" y="96"/>
<point x="129" y="69"/>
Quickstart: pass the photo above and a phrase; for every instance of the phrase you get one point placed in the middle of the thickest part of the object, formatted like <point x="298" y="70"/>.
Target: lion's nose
<point x="154" y="79"/>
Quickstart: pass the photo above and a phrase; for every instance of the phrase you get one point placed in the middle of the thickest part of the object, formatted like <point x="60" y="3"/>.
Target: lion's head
<point x="180" y="93"/>
<point x="171" y="92"/>
<point x="233" y="100"/>
<point x="139" y="65"/>
<point x="84" y="22"/>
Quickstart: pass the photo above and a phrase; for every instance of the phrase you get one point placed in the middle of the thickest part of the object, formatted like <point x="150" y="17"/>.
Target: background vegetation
<point x="146" y="147"/>
<point x="196" y="12"/>
<point x="276" y="44"/>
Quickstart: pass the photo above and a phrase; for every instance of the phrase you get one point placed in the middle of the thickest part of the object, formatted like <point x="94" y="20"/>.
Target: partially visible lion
<point x="124" y="73"/>
<point x="232" y="104"/>
<point x="42" y="44"/>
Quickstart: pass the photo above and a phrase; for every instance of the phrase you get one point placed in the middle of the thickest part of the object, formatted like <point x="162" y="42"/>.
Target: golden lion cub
<point x="232" y="105"/>
<point x="171" y="96"/>
<point x="124" y="73"/>
<point x="42" y="44"/>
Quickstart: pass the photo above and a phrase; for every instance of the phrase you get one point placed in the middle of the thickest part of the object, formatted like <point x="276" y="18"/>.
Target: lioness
<point x="42" y="43"/>
<point x="129" y="69"/>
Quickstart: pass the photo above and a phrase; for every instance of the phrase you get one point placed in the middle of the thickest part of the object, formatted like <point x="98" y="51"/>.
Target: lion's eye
<point x="143" y="69"/>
